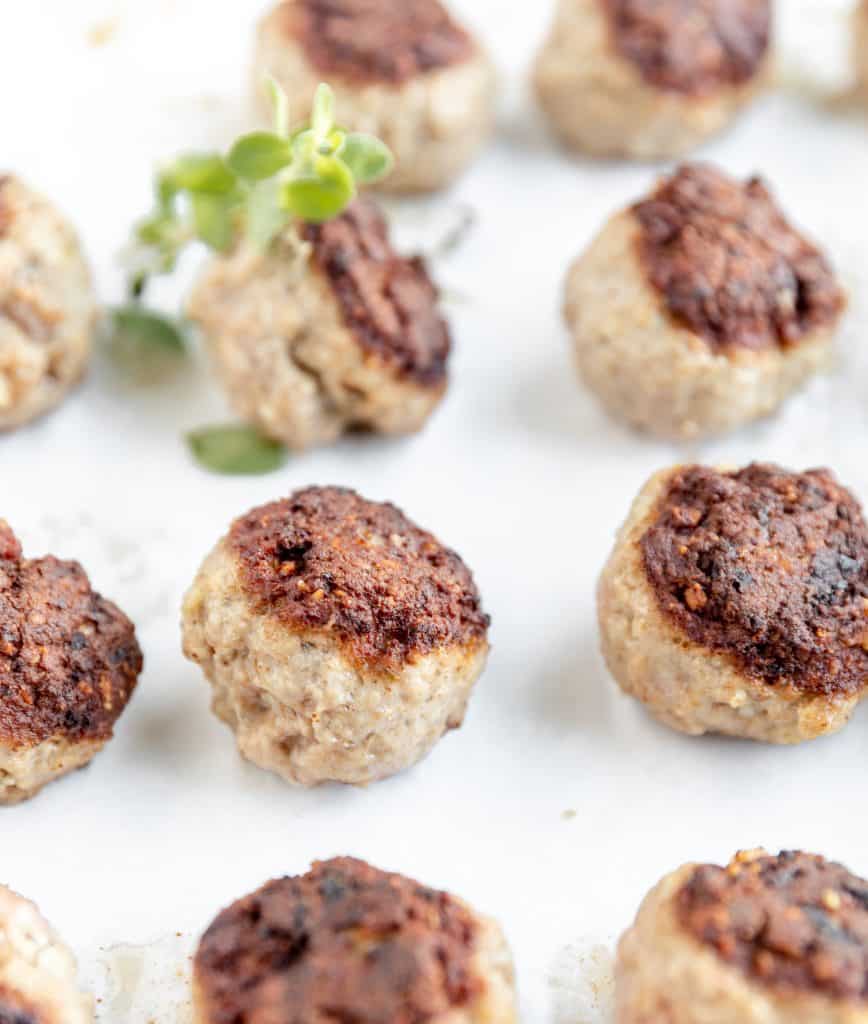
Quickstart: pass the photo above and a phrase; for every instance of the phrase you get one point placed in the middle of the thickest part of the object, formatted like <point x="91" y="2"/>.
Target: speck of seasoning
<point x="569" y="814"/>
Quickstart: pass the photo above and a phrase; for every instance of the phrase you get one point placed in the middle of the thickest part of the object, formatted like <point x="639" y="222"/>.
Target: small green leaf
<point x="259" y="155"/>
<point x="145" y="345"/>
<point x="368" y="158"/>
<point x="266" y="218"/>
<point x="201" y="172"/>
<point x="320" y="194"/>
<point x="279" y="104"/>
<point x="214" y="219"/>
<point x="322" y="119"/>
<point x="236" y="449"/>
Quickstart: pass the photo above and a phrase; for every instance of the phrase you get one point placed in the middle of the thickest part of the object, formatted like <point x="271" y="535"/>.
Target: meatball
<point x="334" y="333"/>
<point x="700" y="308"/>
<point x="69" y="663"/>
<point x="38" y="974"/>
<point x="736" y="601"/>
<point x="860" y="44"/>
<point x="341" y="640"/>
<point x="351" y="943"/>
<point x="766" y="940"/>
<point x="650" y="79"/>
<point x="48" y="311"/>
<point x="406" y="72"/>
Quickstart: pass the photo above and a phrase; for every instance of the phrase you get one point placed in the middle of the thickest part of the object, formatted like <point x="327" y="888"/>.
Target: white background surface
<point x="519" y="471"/>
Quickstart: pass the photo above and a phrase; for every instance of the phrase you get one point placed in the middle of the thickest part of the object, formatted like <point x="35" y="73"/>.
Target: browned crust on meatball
<point x="795" y="922"/>
<point x="695" y="47"/>
<point x="729" y="266"/>
<point x="769" y="567"/>
<point x="69" y="660"/>
<point x="345" y="942"/>
<point x="370" y="41"/>
<point x="327" y="559"/>
<point x="387" y="301"/>
<point x="5" y="211"/>
<point x="14" y="1011"/>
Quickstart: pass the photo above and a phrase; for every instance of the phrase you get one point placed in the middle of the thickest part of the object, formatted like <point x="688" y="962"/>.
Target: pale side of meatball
<point x="860" y="44"/>
<point x="337" y="332"/>
<point x="349" y="942"/>
<point x="407" y="73"/>
<point x="700" y="308"/>
<point x="69" y="662"/>
<point x="48" y="310"/>
<point x="651" y="79"/>
<point x="737" y="602"/>
<point x="341" y="641"/>
<point x="766" y="940"/>
<point x="38" y="974"/>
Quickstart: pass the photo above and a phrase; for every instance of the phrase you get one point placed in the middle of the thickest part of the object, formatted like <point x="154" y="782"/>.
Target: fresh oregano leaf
<point x="259" y="155"/>
<point x="214" y="219"/>
<point x="201" y="172"/>
<point x="236" y="450"/>
<point x="146" y="346"/>
<point x="322" y="193"/>
<point x="266" y="218"/>
<point x="368" y="159"/>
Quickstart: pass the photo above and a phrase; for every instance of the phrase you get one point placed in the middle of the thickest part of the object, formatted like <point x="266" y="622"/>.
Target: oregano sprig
<point x="266" y="179"/>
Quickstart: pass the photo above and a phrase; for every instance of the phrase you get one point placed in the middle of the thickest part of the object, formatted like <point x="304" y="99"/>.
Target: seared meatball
<point x="38" y="983"/>
<point x="340" y="639"/>
<point x="737" y="602"/>
<point x="48" y="310"/>
<point x="651" y="78"/>
<point x="860" y="43"/>
<point x="69" y="663"/>
<point x="346" y="942"/>
<point x="766" y="940"/>
<point x="406" y="72"/>
<point x="700" y="308"/>
<point x="339" y="332"/>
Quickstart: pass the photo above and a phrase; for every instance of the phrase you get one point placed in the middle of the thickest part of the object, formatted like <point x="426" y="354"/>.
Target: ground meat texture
<point x="388" y="301"/>
<point x="368" y="41"/>
<point x="793" y="922"/>
<point x="325" y="558"/>
<point x="729" y="266"/>
<point x="69" y="659"/>
<point x="344" y="942"/>
<point x="692" y="46"/>
<point x="770" y="567"/>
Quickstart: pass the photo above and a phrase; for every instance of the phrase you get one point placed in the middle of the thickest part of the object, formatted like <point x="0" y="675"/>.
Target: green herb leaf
<point x="201" y="172"/>
<point x="259" y="155"/>
<point x="266" y="218"/>
<point x="367" y="158"/>
<point x="145" y="345"/>
<point x="236" y="449"/>
<point x="322" y="119"/>
<point x="322" y="194"/>
<point x="280" y="105"/>
<point x="214" y="219"/>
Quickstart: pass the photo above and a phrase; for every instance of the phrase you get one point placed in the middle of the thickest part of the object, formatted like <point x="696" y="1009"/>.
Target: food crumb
<point x="102" y="33"/>
<point x="568" y="814"/>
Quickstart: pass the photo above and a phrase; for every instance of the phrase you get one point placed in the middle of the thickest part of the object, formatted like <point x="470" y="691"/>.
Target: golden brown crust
<point x="69" y="660"/>
<point x="729" y="266"/>
<point x="695" y="47"/>
<point x="345" y="943"/>
<point x="327" y="559"/>
<point x="794" y="922"/>
<point x="769" y="567"/>
<point x="369" y="41"/>
<point x="389" y="303"/>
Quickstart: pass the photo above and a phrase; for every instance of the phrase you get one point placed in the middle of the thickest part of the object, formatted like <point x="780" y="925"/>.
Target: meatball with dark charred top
<point x="765" y="940"/>
<point x="332" y="333"/>
<point x="340" y="639"/>
<point x="69" y="662"/>
<point x="701" y="308"/>
<point x="48" y="312"/>
<point x="736" y="601"/>
<point x="349" y="942"/>
<point x="406" y="72"/>
<point x="651" y="79"/>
